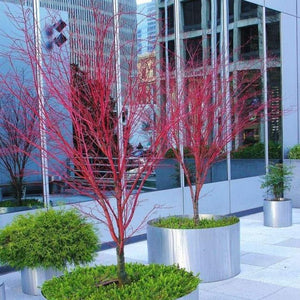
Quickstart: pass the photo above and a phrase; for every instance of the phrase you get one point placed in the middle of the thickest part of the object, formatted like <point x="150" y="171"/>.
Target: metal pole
<point x="118" y="82"/>
<point x="265" y="88"/>
<point x="227" y="90"/>
<point x="167" y="55"/>
<point x="179" y="85"/>
<point x="214" y="54"/>
<point x="39" y="83"/>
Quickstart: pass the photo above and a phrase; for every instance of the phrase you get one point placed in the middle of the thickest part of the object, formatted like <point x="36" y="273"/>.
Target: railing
<point x="103" y="174"/>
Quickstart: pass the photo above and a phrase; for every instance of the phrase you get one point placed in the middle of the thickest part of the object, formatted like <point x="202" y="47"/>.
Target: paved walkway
<point x="270" y="265"/>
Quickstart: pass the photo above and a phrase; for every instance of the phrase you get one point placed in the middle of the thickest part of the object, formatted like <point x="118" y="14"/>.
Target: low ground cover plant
<point x="100" y="283"/>
<point x="178" y="222"/>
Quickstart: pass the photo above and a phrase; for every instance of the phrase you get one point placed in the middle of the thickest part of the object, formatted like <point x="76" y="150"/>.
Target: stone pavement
<point x="270" y="265"/>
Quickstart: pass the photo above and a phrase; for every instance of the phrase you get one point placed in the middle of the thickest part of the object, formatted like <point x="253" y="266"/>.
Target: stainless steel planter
<point x="212" y="252"/>
<point x="278" y="213"/>
<point x="2" y="291"/>
<point x="32" y="279"/>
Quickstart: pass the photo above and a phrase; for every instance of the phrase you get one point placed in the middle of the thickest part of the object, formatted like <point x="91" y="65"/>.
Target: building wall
<point x="290" y="67"/>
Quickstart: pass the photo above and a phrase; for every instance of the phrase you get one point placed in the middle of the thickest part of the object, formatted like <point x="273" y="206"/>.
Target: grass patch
<point x="178" y="222"/>
<point x="27" y="202"/>
<point x="145" y="282"/>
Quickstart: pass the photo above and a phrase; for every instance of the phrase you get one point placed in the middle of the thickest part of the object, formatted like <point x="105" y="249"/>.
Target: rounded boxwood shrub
<point x="294" y="152"/>
<point x="145" y="282"/>
<point x="52" y="238"/>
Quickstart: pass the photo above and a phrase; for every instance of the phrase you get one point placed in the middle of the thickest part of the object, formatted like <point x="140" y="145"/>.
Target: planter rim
<point x="203" y="216"/>
<point x="278" y="200"/>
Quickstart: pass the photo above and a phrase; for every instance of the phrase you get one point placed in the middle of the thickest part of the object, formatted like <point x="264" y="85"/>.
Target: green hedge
<point x="170" y="153"/>
<point x="294" y="152"/>
<point x="26" y="202"/>
<point x="46" y="239"/>
<point x="257" y="150"/>
<point x="145" y="282"/>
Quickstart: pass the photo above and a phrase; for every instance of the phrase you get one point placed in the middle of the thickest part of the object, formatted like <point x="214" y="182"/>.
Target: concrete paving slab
<point x="280" y="277"/>
<point x="209" y="295"/>
<point x="258" y="259"/>
<point x="291" y="264"/>
<point x="285" y="293"/>
<point x="259" y="247"/>
<point x="246" y="269"/>
<point x="294" y="243"/>
<point x="248" y="289"/>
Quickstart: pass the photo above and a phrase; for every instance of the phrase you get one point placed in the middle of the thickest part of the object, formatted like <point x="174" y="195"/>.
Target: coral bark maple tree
<point x="215" y="110"/>
<point x="87" y="147"/>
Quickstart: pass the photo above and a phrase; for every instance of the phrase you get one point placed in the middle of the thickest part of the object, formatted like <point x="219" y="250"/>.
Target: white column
<point x="39" y="83"/>
<point x="265" y="88"/>
<point x="226" y="87"/>
<point x="179" y="86"/>
<point x="118" y="83"/>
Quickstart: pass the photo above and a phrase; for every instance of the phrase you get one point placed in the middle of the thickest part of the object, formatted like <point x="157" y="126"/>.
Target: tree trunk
<point x="121" y="273"/>
<point x="17" y="185"/>
<point x="196" y="211"/>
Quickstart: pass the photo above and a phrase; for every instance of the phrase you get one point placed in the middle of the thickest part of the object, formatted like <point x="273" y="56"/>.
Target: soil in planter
<point x="144" y="282"/>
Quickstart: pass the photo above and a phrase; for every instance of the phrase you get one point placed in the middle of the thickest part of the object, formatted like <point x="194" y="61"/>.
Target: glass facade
<point x="198" y="38"/>
<point x="245" y="35"/>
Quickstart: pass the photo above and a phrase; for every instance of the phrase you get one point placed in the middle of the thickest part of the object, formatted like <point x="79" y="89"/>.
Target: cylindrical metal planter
<point x="2" y="291"/>
<point x="32" y="279"/>
<point x="278" y="213"/>
<point x="214" y="253"/>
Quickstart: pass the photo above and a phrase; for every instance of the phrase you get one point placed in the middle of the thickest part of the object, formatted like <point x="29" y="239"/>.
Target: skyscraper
<point x="146" y="24"/>
<point x="81" y="17"/>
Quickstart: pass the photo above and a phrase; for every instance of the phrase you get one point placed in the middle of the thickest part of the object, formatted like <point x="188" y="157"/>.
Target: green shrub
<point x="27" y="202"/>
<point x="294" y="152"/>
<point x="277" y="180"/>
<point x="170" y="153"/>
<point x="178" y="222"/>
<point x="46" y="239"/>
<point x="145" y="282"/>
<point x="257" y="150"/>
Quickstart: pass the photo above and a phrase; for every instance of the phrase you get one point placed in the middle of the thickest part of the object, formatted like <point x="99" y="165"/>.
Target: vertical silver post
<point x="265" y="88"/>
<point x="39" y="83"/>
<point x="179" y="86"/>
<point x="118" y="82"/>
<point x="214" y="52"/>
<point x="226" y="87"/>
<point x="167" y="54"/>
